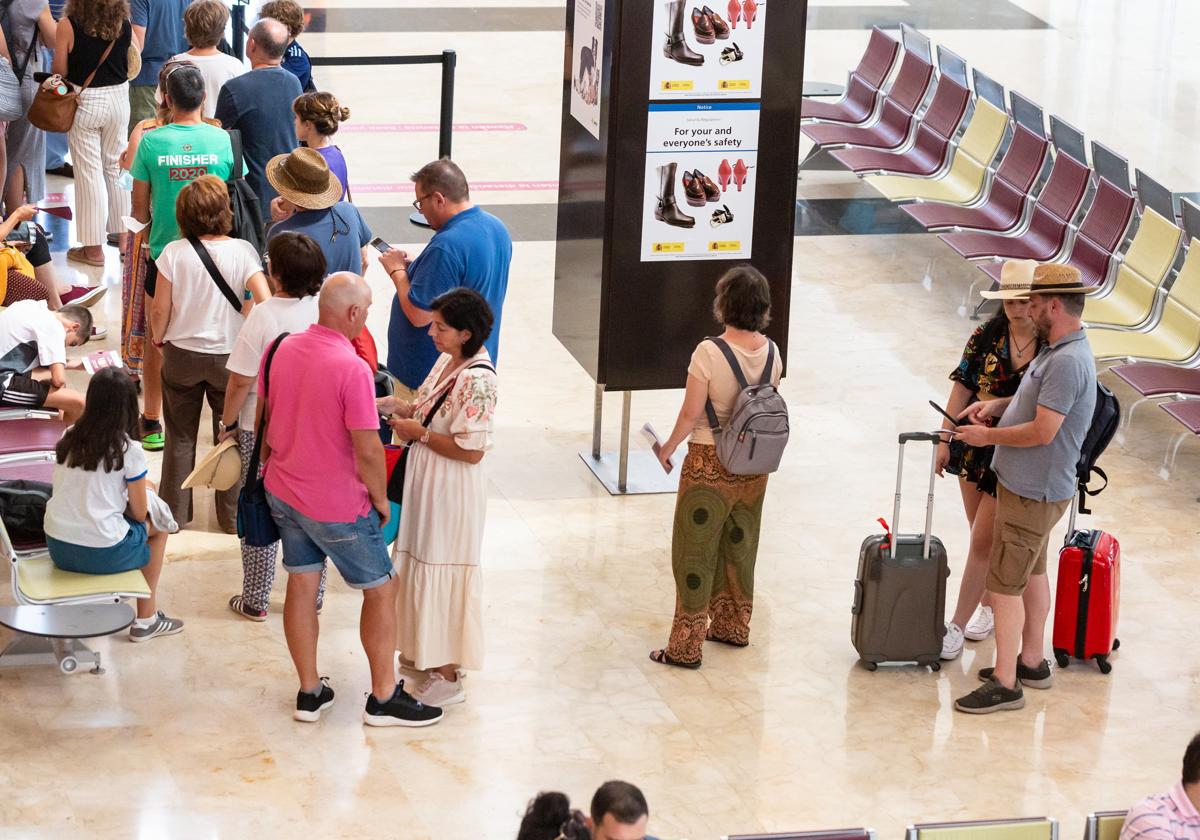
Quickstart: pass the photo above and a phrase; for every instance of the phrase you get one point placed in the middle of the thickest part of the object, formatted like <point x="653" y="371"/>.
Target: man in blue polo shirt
<point x="471" y="249"/>
<point x="159" y="23"/>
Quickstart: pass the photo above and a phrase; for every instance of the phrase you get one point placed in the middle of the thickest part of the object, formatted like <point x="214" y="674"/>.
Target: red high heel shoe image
<point x="735" y="11"/>
<point x="740" y="171"/>
<point x="724" y="175"/>
<point x="749" y="12"/>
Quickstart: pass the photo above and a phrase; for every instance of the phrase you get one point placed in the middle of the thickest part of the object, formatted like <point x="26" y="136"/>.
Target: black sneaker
<point x="1039" y="677"/>
<point x="991" y="697"/>
<point x="401" y="710"/>
<point x="310" y="706"/>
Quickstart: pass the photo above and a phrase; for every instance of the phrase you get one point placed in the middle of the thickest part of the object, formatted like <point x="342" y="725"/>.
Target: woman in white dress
<point x="448" y="427"/>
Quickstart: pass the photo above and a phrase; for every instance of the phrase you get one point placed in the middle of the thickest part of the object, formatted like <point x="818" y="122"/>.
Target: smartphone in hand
<point x="380" y="246"/>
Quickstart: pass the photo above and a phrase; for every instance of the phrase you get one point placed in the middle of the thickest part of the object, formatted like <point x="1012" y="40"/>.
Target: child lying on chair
<point x="97" y="519"/>
<point x="33" y="356"/>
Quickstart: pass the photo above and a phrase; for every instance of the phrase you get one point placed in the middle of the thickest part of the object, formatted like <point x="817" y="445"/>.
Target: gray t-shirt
<point x="1062" y="378"/>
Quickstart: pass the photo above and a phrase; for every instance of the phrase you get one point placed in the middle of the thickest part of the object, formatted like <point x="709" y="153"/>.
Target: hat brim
<point x="1025" y="294"/>
<point x="218" y="470"/>
<point x="1005" y="294"/>
<point x="330" y="196"/>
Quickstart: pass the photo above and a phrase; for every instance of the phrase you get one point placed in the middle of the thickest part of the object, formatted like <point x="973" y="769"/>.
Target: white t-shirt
<point x="202" y="319"/>
<point x="30" y="336"/>
<point x="266" y="322"/>
<point x="216" y="70"/>
<point x="88" y="506"/>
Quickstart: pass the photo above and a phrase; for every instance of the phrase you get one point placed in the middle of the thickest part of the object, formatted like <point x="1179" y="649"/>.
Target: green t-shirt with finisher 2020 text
<point x="169" y="158"/>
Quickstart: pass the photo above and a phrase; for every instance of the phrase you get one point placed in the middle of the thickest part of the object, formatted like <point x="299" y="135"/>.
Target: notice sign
<point x="701" y="164"/>
<point x="699" y="53"/>
<point x="587" y="64"/>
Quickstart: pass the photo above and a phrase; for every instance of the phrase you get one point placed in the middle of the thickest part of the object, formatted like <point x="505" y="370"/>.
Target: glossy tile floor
<point x="191" y="736"/>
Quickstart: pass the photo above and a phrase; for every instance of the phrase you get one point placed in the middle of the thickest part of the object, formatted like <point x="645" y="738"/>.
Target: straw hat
<point x="1021" y="278"/>
<point x="302" y="177"/>
<point x="220" y="469"/>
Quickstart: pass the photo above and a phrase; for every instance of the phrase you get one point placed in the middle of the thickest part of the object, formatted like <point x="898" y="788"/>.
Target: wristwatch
<point x="425" y="437"/>
<point x="232" y="427"/>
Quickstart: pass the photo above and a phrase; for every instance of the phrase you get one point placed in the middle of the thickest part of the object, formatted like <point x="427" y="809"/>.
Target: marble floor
<point x="191" y="736"/>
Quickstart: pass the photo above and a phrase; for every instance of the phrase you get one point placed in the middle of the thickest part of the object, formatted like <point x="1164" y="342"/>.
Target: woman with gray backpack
<point x="738" y="426"/>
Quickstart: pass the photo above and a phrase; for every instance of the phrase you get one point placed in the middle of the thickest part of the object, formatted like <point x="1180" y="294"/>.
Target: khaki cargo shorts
<point x="1020" y="540"/>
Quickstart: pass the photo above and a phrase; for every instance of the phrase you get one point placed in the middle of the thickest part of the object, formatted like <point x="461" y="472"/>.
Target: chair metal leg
<point x="1164" y="471"/>
<point x="1127" y="419"/>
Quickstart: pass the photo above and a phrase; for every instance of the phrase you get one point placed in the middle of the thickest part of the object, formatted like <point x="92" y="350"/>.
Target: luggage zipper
<point x="746" y="426"/>
<point x="1087" y="546"/>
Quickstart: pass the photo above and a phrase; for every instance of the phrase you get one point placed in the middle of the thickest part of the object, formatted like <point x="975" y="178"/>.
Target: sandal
<point x="660" y="656"/>
<point x="79" y="254"/>
<point x="731" y="54"/>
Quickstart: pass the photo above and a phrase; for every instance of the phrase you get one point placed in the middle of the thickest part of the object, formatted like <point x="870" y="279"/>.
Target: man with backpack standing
<point x="1038" y="440"/>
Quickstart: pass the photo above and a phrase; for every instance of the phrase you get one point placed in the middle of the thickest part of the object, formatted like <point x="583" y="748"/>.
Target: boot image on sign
<point x="676" y="47"/>
<point x="666" y="210"/>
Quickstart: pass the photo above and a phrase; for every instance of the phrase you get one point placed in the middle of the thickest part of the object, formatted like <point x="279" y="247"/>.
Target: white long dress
<point x="440" y="607"/>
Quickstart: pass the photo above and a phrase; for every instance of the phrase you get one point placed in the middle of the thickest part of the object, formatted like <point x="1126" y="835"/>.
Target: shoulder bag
<point x="243" y="201"/>
<point x="215" y="273"/>
<point x="395" y="486"/>
<point x="54" y="107"/>
<point x="255" y="524"/>
<point x="12" y="102"/>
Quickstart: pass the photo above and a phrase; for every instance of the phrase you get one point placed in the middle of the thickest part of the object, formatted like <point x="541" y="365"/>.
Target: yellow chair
<point x="1034" y="828"/>
<point x="967" y="176"/>
<point x="1152" y="252"/>
<point x="55" y="609"/>
<point x="1176" y="336"/>
<point x="1104" y="825"/>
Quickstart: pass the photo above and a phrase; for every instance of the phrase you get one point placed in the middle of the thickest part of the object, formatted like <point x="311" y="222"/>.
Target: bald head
<point x="344" y="301"/>
<point x="268" y="41"/>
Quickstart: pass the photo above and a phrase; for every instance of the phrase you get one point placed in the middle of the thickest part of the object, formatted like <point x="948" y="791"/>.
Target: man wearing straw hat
<point x="1038" y="438"/>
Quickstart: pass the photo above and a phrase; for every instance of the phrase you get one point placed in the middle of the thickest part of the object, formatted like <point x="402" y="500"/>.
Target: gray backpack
<point x="753" y="441"/>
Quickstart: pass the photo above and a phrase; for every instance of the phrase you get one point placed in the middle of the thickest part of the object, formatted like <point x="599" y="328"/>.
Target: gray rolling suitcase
<point x="900" y="591"/>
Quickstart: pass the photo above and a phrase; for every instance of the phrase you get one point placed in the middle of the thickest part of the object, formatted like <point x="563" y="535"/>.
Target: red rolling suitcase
<point x="1088" y="597"/>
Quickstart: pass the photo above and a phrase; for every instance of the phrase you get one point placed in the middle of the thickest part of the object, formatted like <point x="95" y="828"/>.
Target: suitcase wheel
<point x="1103" y="663"/>
<point x="1062" y="657"/>
<point x="935" y="666"/>
<point x="870" y="666"/>
<point x="1116" y="644"/>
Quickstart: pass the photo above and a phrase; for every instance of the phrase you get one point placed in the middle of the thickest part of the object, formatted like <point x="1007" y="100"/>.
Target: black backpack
<point x="23" y="509"/>
<point x="1106" y="417"/>
<point x="247" y="214"/>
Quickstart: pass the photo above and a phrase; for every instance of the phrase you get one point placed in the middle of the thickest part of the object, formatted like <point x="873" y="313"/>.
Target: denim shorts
<point x="132" y="552"/>
<point x="356" y="548"/>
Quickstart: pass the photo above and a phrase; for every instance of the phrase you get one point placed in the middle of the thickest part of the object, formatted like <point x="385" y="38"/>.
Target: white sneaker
<point x="439" y="691"/>
<point x="952" y="642"/>
<point x="981" y="626"/>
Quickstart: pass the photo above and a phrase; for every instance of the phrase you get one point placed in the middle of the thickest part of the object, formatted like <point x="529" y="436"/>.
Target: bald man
<point x="259" y="104"/>
<point x="325" y="480"/>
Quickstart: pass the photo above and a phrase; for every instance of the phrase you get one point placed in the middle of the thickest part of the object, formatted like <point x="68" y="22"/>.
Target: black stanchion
<point x="448" y="59"/>
<point x="238" y="25"/>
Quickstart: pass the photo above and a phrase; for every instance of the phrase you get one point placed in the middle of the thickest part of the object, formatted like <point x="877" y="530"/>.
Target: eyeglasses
<point x="417" y="201"/>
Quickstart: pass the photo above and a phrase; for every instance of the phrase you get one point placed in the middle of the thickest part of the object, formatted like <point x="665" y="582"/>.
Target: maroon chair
<point x="1006" y="200"/>
<point x="1155" y="380"/>
<point x="1102" y="230"/>
<point x="1187" y="412"/>
<point x="29" y="435"/>
<point x="895" y="123"/>
<point x="928" y="154"/>
<point x="1043" y="240"/>
<point x="862" y="89"/>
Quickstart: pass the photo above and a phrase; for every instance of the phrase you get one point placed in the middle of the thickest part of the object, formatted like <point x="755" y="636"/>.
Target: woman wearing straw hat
<point x="313" y="195"/>
<point x="993" y="362"/>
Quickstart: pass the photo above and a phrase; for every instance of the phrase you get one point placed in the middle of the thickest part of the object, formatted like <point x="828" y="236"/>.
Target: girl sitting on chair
<point x="98" y="517"/>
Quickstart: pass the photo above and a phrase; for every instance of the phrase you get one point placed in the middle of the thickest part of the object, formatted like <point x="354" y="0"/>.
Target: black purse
<point x="255" y="524"/>
<point x="395" y="485"/>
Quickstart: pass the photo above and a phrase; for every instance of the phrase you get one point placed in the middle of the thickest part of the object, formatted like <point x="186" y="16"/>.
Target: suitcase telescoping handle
<point x="905" y="437"/>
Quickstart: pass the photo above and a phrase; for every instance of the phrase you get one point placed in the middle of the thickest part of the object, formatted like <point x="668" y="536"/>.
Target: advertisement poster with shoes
<point x="707" y="52"/>
<point x="587" y="64"/>
<point x="700" y="176"/>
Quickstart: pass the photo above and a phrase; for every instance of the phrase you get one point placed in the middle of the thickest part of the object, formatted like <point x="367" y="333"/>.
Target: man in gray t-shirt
<point x="1038" y="438"/>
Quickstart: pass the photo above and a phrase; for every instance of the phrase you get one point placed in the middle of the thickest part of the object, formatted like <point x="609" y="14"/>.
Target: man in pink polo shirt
<point x="325" y="479"/>
<point x="1173" y="815"/>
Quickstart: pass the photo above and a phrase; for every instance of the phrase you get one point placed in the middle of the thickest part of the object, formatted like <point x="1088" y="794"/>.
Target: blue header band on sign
<point x="705" y="106"/>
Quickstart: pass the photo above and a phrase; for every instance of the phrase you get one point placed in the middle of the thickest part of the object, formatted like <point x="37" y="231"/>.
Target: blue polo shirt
<point x="163" y="20"/>
<point x="472" y="250"/>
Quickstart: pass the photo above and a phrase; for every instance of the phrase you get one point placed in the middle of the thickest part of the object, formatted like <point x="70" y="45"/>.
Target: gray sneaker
<point x="991" y="697"/>
<point x="161" y="626"/>
<point x="1039" y="677"/>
